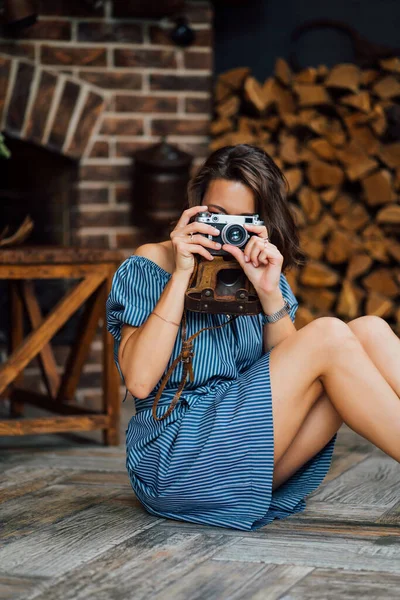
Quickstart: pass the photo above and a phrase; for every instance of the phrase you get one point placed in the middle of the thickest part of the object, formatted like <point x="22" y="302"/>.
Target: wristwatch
<point x="278" y="314"/>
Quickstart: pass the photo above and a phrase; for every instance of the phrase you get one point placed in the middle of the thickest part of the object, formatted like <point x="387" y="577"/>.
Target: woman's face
<point x="229" y="197"/>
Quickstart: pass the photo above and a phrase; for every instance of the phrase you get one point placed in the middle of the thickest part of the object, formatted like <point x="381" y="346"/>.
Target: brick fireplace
<point x="92" y="86"/>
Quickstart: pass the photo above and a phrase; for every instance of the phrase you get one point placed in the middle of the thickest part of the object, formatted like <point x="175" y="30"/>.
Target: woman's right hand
<point x="184" y="247"/>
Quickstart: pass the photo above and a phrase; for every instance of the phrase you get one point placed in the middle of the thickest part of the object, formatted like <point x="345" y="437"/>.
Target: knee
<point x="368" y="328"/>
<point x="332" y="332"/>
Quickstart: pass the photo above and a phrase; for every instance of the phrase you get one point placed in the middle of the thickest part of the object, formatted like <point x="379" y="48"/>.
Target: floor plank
<point x="72" y="528"/>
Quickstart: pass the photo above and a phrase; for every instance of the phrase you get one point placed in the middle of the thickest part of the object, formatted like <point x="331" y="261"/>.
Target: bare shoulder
<point x="158" y="253"/>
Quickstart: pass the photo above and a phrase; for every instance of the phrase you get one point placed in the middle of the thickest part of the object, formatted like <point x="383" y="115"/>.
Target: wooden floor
<point x="72" y="529"/>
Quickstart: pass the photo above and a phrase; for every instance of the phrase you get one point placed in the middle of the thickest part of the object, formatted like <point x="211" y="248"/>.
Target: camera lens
<point x="234" y="234"/>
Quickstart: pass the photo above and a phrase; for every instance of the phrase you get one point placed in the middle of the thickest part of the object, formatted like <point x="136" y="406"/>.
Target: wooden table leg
<point x="111" y="400"/>
<point x="15" y="338"/>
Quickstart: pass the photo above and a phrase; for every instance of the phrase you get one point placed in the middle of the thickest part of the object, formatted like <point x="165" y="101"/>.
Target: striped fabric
<point x="211" y="460"/>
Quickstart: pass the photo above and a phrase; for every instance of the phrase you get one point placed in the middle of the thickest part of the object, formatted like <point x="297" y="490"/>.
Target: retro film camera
<point x="220" y="285"/>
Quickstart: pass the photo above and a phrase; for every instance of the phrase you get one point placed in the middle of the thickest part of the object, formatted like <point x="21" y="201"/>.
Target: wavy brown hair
<point x="256" y="169"/>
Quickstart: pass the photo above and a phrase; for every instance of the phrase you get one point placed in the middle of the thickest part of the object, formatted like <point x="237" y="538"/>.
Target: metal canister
<point x="159" y="190"/>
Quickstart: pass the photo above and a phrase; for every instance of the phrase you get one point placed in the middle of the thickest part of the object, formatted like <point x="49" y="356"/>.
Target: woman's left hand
<point x="265" y="275"/>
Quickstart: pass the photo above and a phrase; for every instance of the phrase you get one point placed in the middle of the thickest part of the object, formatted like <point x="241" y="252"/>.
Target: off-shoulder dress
<point x="211" y="460"/>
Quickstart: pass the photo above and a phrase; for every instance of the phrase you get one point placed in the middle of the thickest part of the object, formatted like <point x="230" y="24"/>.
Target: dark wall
<point x="255" y="32"/>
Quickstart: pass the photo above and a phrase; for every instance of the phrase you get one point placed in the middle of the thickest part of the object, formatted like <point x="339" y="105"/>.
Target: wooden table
<point x="94" y="268"/>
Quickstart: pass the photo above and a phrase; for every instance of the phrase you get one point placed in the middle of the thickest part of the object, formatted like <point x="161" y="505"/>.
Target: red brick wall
<point x="149" y="86"/>
<point x="152" y="88"/>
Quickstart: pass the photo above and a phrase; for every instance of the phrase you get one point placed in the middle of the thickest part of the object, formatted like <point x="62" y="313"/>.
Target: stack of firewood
<point x="334" y="133"/>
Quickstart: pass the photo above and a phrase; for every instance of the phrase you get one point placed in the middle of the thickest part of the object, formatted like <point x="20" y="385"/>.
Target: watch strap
<point x="272" y="318"/>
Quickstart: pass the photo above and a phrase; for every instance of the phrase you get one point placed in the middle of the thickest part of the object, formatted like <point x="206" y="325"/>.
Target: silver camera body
<point x="231" y="229"/>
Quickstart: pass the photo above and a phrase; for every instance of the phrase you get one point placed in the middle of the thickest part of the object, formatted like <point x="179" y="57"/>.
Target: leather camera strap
<point x="185" y="356"/>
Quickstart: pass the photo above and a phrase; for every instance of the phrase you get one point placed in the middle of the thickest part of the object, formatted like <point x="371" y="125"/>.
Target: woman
<point x="254" y="433"/>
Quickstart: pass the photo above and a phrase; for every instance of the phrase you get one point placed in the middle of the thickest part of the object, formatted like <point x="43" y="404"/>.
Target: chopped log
<point x="362" y="101"/>
<point x="389" y="87"/>
<point x="391" y="64"/>
<point x="358" y="265"/>
<point x="378" y="188"/>
<point x="321" y="229"/>
<point x="271" y="123"/>
<point x="356" y="161"/>
<point x="222" y="91"/>
<point x="328" y="196"/>
<point x="352" y="120"/>
<point x="375" y="243"/>
<point x="396" y="180"/>
<point x="316" y="274"/>
<point x="365" y="139"/>
<point x="348" y="302"/>
<point x="307" y="75"/>
<point x="322" y="300"/>
<point x="393" y="247"/>
<point x="295" y="179"/>
<point x="310" y="202"/>
<point x="322" y="71"/>
<point x="368" y="76"/>
<point x="389" y="215"/>
<point x="355" y="218"/>
<point x="342" y="204"/>
<point x="290" y="121"/>
<point x="304" y="316"/>
<point x="323" y="174"/>
<point x="252" y="126"/>
<point x="282" y="71"/>
<point x="269" y="148"/>
<point x="228" y="107"/>
<point x="221" y="126"/>
<point x="312" y="247"/>
<point x="330" y="128"/>
<point x="378" y="120"/>
<point x="390" y="154"/>
<point x="255" y="95"/>
<point x="235" y="137"/>
<point x="299" y="216"/>
<point x="312" y="95"/>
<point x="378" y="305"/>
<point x="359" y="170"/>
<point x="282" y="97"/>
<point x="322" y="149"/>
<point x="341" y="246"/>
<point x="289" y="149"/>
<point x="345" y="76"/>
<point x="382" y="282"/>
<point x="234" y="78"/>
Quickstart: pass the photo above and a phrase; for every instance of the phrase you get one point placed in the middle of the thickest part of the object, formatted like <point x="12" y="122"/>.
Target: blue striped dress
<point x="211" y="460"/>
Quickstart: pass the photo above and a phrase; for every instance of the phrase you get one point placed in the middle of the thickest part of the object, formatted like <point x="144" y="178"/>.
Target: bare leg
<point x="326" y="349"/>
<point x="321" y="423"/>
<point x="383" y="347"/>
<point x="363" y="397"/>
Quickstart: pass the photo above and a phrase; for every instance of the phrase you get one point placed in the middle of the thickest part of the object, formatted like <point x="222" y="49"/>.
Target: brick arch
<point x="52" y="109"/>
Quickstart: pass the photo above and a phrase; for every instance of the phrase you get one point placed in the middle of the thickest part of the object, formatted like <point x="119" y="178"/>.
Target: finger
<point x="202" y="239"/>
<point x="236" y="253"/>
<point x="263" y="258"/>
<point x="256" y="228"/>
<point x="189" y="213"/>
<point x="260" y="247"/>
<point x="249" y="248"/>
<point x="200" y="249"/>
<point x="255" y="252"/>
